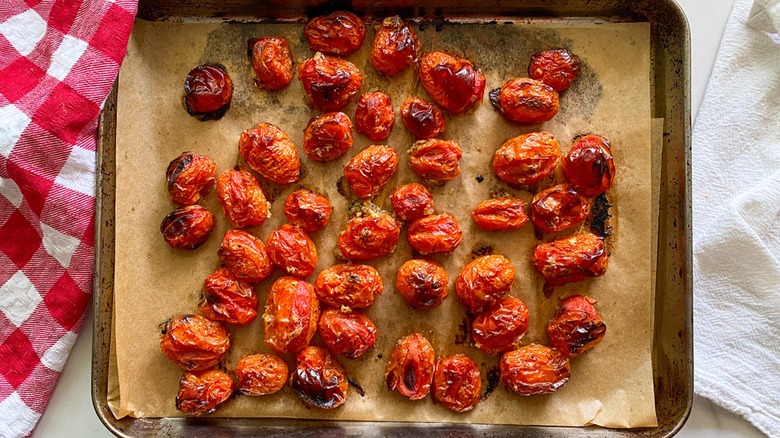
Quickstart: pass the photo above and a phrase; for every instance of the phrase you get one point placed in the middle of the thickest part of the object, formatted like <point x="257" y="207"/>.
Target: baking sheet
<point x="610" y="386"/>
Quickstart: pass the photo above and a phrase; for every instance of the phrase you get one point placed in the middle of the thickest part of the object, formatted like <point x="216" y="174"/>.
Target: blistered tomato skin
<point x="573" y="258"/>
<point x="589" y="165"/>
<point x="203" y="392"/>
<point x="422" y="118"/>
<point x="348" y="285"/>
<point x="411" y="201"/>
<point x="290" y="248"/>
<point x="500" y="214"/>
<point x="534" y="369"/>
<point x="559" y="208"/>
<point x="319" y="379"/>
<point x="484" y="281"/>
<point x="501" y="327"/>
<point x="435" y="160"/>
<point x="374" y="116"/>
<point x="576" y="326"/>
<point x="228" y="299"/>
<point x="190" y="177"/>
<point x="328" y="136"/>
<point x="208" y="90"/>
<point x="330" y="82"/>
<point x="524" y="100"/>
<point x="187" y="227"/>
<point x="291" y="315"/>
<point x="244" y="255"/>
<point x="242" y="199"/>
<point x="410" y="367"/>
<point x="347" y="334"/>
<point x="557" y="68"/>
<point x="339" y="33"/>
<point x="271" y="153"/>
<point x="451" y="81"/>
<point x="369" y="170"/>
<point x="395" y="47"/>
<point x="369" y="237"/>
<point x="308" y="210"/>
<point x="527" y="159"/>
<point x="434" y="234"/>
<point x="261" y="374"/>
<point x="457" y="383"/>
<point x="422" y="283"/>
<point x="194" y="342"/>
<point x="271" y="61"/>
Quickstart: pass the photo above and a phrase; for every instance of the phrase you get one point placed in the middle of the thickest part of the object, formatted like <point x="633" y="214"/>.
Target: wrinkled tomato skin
<point x="339" y="33"/>
<point x="242" y="199"/>
<point x="524" y="100"/>
<point x="410" y="367"/>
<point x="244" y="255"/>
<point x="435" y="160"/>
<point x="557" y="68"/>
<point x="290" y="248"/>
<point x="589" y="165"/>
<point x="328" y="136"/>
<point x="208" y="90"/>
<point x="194" y="342"/>
<point x="534" y="369"/>
<point x="308" y="210"/>
<point x="347" y="334"/>
<point x="527" y="159"/>
<point x="573" y="258"/>
<point x="576" y="326"/>
<point x="421" y="118"/>
<point x="411" y="201"/>
<point x="484" y="281"/>
<point x="187" y="227"/>
<point x="261" y="374"/>
<point x="228" y="299"/>
<point x="291" y="315"/>
<point x="270" y="152"/>
<point x="318" y="379"/>
<point x="329" y="82"/>
<point x="374" y="116"/>
<point x="500" y="214"/>
<point x="190" y="177"/>
<point x="451" y="81"/>
<point x="203" y="392"/>
<point x="369" y="237"/>
<point x="395" y="47"/>
<point x="422" y="283"/>
<point x="369" y="170"/>
<point x="271" y="61"/>
<point x="501" y="327"/>
<point x="457" y="383"/>
<point x="349" y="285"/>
<point x="434" y="234"/>
<point x="559" y="208"/>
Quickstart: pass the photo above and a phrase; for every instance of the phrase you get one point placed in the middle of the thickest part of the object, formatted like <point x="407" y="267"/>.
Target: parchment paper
<point x="610" y="386"/>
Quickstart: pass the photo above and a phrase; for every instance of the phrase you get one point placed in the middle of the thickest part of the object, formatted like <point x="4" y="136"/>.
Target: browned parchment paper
<point x="610" y="386"/>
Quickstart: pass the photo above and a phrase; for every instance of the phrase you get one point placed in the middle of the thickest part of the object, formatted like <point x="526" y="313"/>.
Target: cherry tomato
<point x="369" y="170"/>
<point x="329" y="82"/>
<point x="319" y="379"/>
<point x="576" y="326"/>
<point x="557" y="68"/>
<point x="410" y="367"/>
<point x="339" y="33"/>
<point x="411" y="201"/>
<point x="327" y="137"/>
<point x="290" y="248"/>
<point x="194" y="342"/>
<point x="271" y="61"/>
<point x="500" y="214"/>
<point x="525" y="100"/>
<point x="347" y="334"/>
<point x="203" y="392"/>
<point x="208" y="90"/>
<point x="190" y="177"/>
<point x="242" y="199"/>
<point x="451" y="81"/>
<point x="291" y="314"/>
<point x="435" y="160"/>
<point x="187" y="227"/>
<point x="501" y="327"/>
<point x="422" y="283"/>
<point x="434" y="234"/>
<point x="374" y="116"/>
<point x="228" y="299"/>
<point x="369" y="237"/>
<point x="457" y="383"/>
<point x="308" y="210"/>
<point x="570" y="259"/>
<point x="534" y="369"/>
<point x="484" y="281"/>
<point x="589" y="165"/>
<point x="349" y="285"/>
<point x="261" y="374"/>
<point x="527" y="159"/>
<point x="422" y="118"/>
<point x="395" y="47"/>
<point x="271" y="153"/>
<point x="244" y="255"/>
<point x="559" y="208"/>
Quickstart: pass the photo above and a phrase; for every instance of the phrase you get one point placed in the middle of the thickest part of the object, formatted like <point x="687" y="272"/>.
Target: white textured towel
<point x="736" y="221"/>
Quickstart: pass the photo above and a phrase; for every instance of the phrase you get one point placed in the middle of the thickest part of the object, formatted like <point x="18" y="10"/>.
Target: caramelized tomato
<point x="570" y="259"/>
<point x="369" y="237"/>
<point x="527" y="159"/>
<point x="374" y="116"/>
<point x="411" y="201"/>
<point x="203" y="392"/>
<point x="339" y="33"/>
<point x="347" y="334"/>
<point x="291" y="314"/>
<point x="576" y="326"/>
<point x="559" y="208"/>
<point x="228" y="299"/>
<point x="525" y="100"/>
<point x="290" y="248"/>
<point x="435" y="160"/>
<point x="208" y="90"/>
<point x="422" y="283"/>
<point x="244" y="256"/>
<point x="484" y="281"/>
<point x="271" y="61"/>
<point x="395" y="47"/>
<point x="271" y="153"/>
<point x="410" y="367"/>
<point x="187" y="227"/>
<point x="319" y="379"/>
<point x="242" y="199"/>
<point x="500" y="214"/>
<point x="451" y="81"/>
<point x="190" y="177"/>
<point x="349" y="285"/>
<point x="261" y="374"/>
<point x="194" y="342"/>
<point x="369" y="170"/>
<point x="501" y="327"/>
<point x="421" y="118"/>
<point x="534" y="369"/>
<point x="589" y="165"/>
<point x="457" y="383"/>
<point x="308" y="210"/>
<point x="434" y="234"/>
<point x="327" y="137"/>
<point x="557" y="68"/>
<point x="329" y="82"/>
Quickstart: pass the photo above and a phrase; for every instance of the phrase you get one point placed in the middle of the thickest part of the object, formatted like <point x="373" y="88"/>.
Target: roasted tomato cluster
<point x="202" y="392"/>
<point x="187" y="227"/>
<point x="349" y="334"/>
<point x="190" y="177"/>
<point x="422" y="283"/>
<point x="500" y="214"/>
<point x="261" y="374"/>
<point x="290" y="248"/>
<point x="410" y="367"/>
<point x="291" y="315"/>
<point x="319" y="379"/>
<point x="534" y="369"/>
<point x="242" y="199"/>
<point x="271" y="153"/>
<point x="369" y="170"/>
<point x="501" y="327"/>
<point x="228" y="299"/>
<point x="369" y="237"/>
<point x="559" y="208"/>
<point x="457" y="383"/>
<point x="395" y="47"/>
<point x="525" y="100"/>
<point x="194" y="342"/>
<point x="411" y="201"/>
<point x="527" y="159"/>
<point x="484" y="281"/>
<point x="328" y="136"/>
<point x="374" y="116"/>
<point x="208" y="90"/>
<point x="451" y="81"/>
<point x="589" y="165"/>
<point x="271" y="61"/>
<point x="308" y="210"/>
<point x="422" y="118"/>
<point x="570" y="259"/>
<point x="339" y="33"/>
<point x="329" y="82"/>
<point x="576" y="326"/>
<point x="244" y="255"/>
<point x="436" y="233"/>
<point x="557" y="68"/>
<point x="435" y="160"/>
<point x="348" y="285"/>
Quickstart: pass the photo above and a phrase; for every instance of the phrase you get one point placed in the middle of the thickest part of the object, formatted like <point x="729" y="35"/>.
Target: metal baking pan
<point x="670" y="93"/>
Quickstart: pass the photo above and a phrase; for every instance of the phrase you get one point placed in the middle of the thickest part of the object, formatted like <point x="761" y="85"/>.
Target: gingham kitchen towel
<point x="58" y="61"/>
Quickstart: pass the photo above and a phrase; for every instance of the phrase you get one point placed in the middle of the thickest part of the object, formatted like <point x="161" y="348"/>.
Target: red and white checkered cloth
<point x="58" y="62"/>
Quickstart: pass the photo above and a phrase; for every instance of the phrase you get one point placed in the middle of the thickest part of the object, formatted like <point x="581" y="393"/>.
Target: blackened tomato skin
<point x="330" y="82"/>
<point x="395" y="47"/>
<point x="410" y="367"/>
<point x="451" y="81"/>
<point x="589" y="165"/>
<point x="187" y="227"/>
<point x="203" y="392"/>
<point x="576" y="326"/>
<point x="318" y="379"/>
<point x="422" y="118"/>
<point x="422" y="283"/>
<point x="194" y="342"/>
<point x="190" y="177"/>
<point x="559" y="208"/>
<point x="208" y="91"/>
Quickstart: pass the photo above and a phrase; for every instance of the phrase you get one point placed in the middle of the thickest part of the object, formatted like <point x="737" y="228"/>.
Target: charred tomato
<point x="576" y="326"/>
<point x="411" y="201"/>
<point x="451" y="81"/>
<point x="187" y="227"/>
<point x="484" y="281"/>
<point x="410" y="367"/>
<point x="369" y="170"/>
<point x="457" y="383"/>
<point x="271" y="61"/>
<point x="559" y="208"/>
<point x="244" y="255"/>
<point x="349" y="285"/>
<point x="435" y="233"/>
<point x="242" y="199"/>
<point x="525" y="100"/>
<point x="203" y="392"/>
<point x="395" y="47"/>
<point x="500" y="214"/>
<point x="589" y="165"/>
<point x="557" y="68"/>
<point x="329" y="82"/>
<point x="290" y="248"/>
<point x="261" y="374"/>
<point x="339" y="33"/>
<point x="501" y="327"/>
<point x="208" y="90"/>
<point x="308" y="210"/>
<point x="349" y="334"/>
<point x="534" y="369"/>
<point x="194" y="342"/>
<point x="422" y="283"/>
<point x="374" y="116"/>
<point x="369" y="237"/>
<point x="328" y="136"/>
<point x="570" y="259"/>
<point x="228" y="299"/>
<point x="421" y="118"/>
<point x="291" y="314"/>
<point x="435" y="160"/>
<point x="190" y="177"/>
<point x="527" y="159"/>
<point x="319" y="379"/>
<point x="270" y="152"/>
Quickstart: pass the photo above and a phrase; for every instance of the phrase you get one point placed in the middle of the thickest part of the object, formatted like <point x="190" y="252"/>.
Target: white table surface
<point x="70" y="411"/>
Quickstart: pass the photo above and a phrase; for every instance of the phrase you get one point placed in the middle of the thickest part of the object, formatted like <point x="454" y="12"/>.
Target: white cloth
<point x="736" y="223"/>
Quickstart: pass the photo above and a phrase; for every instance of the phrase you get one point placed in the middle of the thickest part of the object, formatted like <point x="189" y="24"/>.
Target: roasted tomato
<point x="570" y="259"/>
<point x="557" y="68"/>
<point x="435" y="233"/>
<point x="187" y="227"/>
<point x="327" y="137"/>
<point x="457" y="383"/>
<point x="329" y="82"/>
<point x="203" y="392"/>
<point x="194" y="342"/>
<point x="534" y="369"/>
<point x="244" y="255"/>
<point x="190" y="177"/>
<point x="290" y="248"/>
<point x="484" y="281"/>
<point x="435" y="160"/>
<point x="228" y="299"/>
<point x="451" y="81"/>
<point x="339" y="33"/>
<point x="410" y="367"/>
<point x="208" y="90"/>
<point x="271" y="153"/>
<point x="411" y="201"/>
<point x="369" y="170"/>
<point x="589" y="165"/>
<point x="349" y="285"/>
<point x="501" y="327"/>
<point x="527" y="159"/>
<point x="347" y="334"/>
<point x="242" y="199"/>
<point x="291" y="315"/>
<point x="576" y="326"/>
<point x="374" y="116"/>
<point x="369" y="237"/>
<point x="272" y="62"/>
<point x="559" y="208"/>
<point x="422" y="118"/>
<point x="395" y="47"/>
<point x="261" y="374"/>
<point x="525" y="100"/>
<point x="422" y="283"/>
<point x="500" y="214"/>
<point x="308" y="210"/>
<point x="319" y="379"/>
